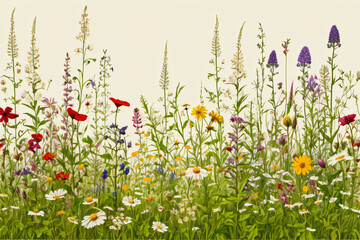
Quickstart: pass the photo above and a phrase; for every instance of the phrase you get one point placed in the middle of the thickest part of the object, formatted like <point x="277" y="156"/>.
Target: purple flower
<point x="237" y="119"/>
<point x="272" y="62"/>
<point x="233" y="138"/>
<point x="92" y="83"/>
<point x="313" y="85"/>
<point x="127" y="170"/>
<point x="280" y="85"/>
<point x="24" y="195"/>
<point x="321" y="163"/>
<point x="120" y="141"/>
<point x="260" y="148"/>
<point x="112" y="69"/>
<point x="33" y="165"/>
<point x="129" y="145"/>
<point x="334" y="37"/>
<point x="304" y="58"/>
<point x="283" y="140"/>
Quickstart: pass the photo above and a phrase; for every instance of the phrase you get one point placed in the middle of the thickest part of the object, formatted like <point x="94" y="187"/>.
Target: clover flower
<point x="272" y="61"/>
<point x="304" y="59"/>
<point x="334" y="37"/>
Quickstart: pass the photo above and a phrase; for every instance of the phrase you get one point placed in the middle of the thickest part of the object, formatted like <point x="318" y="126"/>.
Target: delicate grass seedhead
<point x="238" y="58"/>
<point x="12" y="45"/>
<point x="215" y="46"/>
<point x="164" y="79"/>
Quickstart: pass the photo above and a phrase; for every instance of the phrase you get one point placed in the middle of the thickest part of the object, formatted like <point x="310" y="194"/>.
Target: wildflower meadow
<point x="282" y="163"/>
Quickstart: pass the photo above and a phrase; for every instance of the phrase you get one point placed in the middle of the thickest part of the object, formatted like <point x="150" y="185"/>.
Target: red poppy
<point x="347" y="119"/>
<point x="37" y="137"/>
<point x="62" y="176"/>
<point x="75" y="115"/>
<point x="119" y="103"/>
<point x="5" y="115"/>
<point x="48" y="156"/>
<point x="87" y="103"/>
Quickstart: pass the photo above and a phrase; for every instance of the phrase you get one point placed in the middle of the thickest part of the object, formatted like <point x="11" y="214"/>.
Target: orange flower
<point x="256" y="196"/>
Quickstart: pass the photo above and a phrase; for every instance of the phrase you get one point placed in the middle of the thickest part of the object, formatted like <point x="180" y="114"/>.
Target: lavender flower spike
<point x="272" y="62"/>
<point x="334" y="37"/>
<point x="304" y="58"/>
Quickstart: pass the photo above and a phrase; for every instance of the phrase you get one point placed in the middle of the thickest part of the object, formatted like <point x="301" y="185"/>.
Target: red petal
<point x="1" y="111"/>
<point x="8" y="109"/>
<point x="81" y="117"/>
<point x="72" y="113"/>
<point x="13" y="115"/>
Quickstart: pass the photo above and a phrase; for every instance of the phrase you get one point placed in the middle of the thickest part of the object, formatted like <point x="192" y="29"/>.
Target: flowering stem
<point x="116" y="160"/>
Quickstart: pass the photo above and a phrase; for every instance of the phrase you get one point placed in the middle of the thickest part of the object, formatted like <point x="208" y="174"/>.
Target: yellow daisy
<point x="199" y="112"/>
<point x="302" y="164"/>
<point x="215" y="117"/>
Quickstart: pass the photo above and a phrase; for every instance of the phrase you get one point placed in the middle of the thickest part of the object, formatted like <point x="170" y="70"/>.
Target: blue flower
<point x="122" y="166"/>
<point x="92" y="83"/>
<point x="105" y="174"/>
<point x="114" y="194"/>
<point x="25" y="172"/>
<point x="122" y="130"/>
<point x="129" y="145"/>
<point x="127" y="170"/>
<point x="121" y="141"/>
<point x="106" y="137"/>
<point x="113" y="125"/>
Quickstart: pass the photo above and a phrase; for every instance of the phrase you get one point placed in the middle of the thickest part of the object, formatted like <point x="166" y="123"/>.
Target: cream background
<point x="135" y="32"/>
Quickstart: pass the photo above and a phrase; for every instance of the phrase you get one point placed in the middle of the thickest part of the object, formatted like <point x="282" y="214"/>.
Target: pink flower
<point x="347" y="119"/>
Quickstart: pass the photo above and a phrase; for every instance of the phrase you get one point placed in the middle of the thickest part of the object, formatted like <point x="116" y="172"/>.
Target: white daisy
<point x="4" y="209"/>
<point x="127" y="220"/>
<point x="3" y="195"/>
<point x="332" y="200"/>
<point x="34" y="180"/>
<point x="310" y="229"/>
<point x="93" y="220"/>
<point x="130" y="201"/>
<point x="195" y="228"/>
<point x="256" y="212"/>
<point x="177" y="196"/>
<point x="56" y="194"/>
<point x="196" y="173"/>
<point x="266" y="175"/>
<point x="247" y="204"/>
<point x="271" y="209"/>
<point x="343" y="156"/>
<point x="160" y="208"/>
<point x="160" y="227"/>
<point x="138" y="193"/>
<point x="314" y="178"/>
<point x="36" y="213"/>
<point x="89" y="200"/>
<point x="13" y="207"/>
<point x="145" y="211"/>
<point x="72" y="220"/>
<point x="318" y="202"/>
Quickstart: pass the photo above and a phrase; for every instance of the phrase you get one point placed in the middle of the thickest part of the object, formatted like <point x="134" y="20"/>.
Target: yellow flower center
<point x="56" y="197"/>
<point x="4" y="194"/>
<point x="317" y="202"/>
<point x="131" y="201"/>
<point x="36" y="211"/>
<point x="72" y="219"/>
<point x="159" y="227"/>
<point x="89" y="199"/>
<point x="341" y="157"/>
<point x="81" y="166"/>
<point x="196" y="170"/>
<point x="173" y="168"/>
<point x="209" y="169"/>
<point x="126" y="220"/>
<point x="93" y="217"/>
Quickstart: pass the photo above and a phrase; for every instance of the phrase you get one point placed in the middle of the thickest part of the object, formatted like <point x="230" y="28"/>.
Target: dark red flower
<point x="87" y="103"/>
<point x="62" y="176"/>
<point x="37" y="137"/>
<point x="5" y="115"/>
<point x="48" y="156"/>
<point x="119" y="103"/>
<point x="75" y="115"/>
<point x="347" y="119"/>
